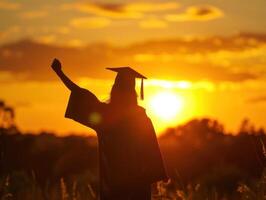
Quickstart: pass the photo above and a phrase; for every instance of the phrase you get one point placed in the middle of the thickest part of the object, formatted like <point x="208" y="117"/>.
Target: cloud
<point x="120" y="10"/>
<point x="35" y="14"/>
<point x="152" y="7"/>
<point x="216" y="59"/>
<point x="5" y="5"/>
<point x="192" y="67"/>
<point x="7" y="53"/>
<point x="6" y="77"/>
<point x="228" y="75"/>
<point x="63" y="30"/>
<point x="200" y="46"/>
<point x="90" y="22"/>
<point x="152" y="23"/>
<point x="105" y="10"/>
<point x="260" y="99"/>
<point x="197" y="13"/>
<point x="9" y="32"/>
<point x="46" y="39"/>
<point x="75" y="43"/>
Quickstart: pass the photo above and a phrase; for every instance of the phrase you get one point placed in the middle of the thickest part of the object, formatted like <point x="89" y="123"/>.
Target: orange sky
<point x="209" y="54"/>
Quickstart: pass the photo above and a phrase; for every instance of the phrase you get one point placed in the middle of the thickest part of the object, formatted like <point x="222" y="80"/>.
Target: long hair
<point x="124" y="97"/>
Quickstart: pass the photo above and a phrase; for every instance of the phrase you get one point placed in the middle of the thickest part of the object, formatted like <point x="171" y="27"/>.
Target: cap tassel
<point x="141" y="90"/>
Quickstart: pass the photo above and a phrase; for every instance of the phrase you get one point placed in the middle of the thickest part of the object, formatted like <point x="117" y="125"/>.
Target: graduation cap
<point x="127" y="75"/>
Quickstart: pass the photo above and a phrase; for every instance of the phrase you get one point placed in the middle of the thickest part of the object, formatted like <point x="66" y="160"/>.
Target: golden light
<point x="166" y="105"/>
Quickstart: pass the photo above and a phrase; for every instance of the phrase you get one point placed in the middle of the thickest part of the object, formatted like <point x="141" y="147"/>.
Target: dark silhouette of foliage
<point x="198" y="152"/>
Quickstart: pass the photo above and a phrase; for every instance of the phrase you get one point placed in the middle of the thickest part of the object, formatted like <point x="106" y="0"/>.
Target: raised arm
<point x="56" y="66"/>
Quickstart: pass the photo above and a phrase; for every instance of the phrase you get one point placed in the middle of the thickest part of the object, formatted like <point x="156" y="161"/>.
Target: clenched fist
<point x="56" y="65"/>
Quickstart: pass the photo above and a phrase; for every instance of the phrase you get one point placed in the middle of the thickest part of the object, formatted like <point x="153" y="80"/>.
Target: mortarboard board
<point x="130" y="73"/>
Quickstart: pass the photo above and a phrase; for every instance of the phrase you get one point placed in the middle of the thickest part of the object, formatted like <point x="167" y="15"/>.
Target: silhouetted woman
<point x="130" y="158"/>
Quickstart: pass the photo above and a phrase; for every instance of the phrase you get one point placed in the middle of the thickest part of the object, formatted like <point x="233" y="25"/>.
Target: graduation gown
<point x="128" y="148"/>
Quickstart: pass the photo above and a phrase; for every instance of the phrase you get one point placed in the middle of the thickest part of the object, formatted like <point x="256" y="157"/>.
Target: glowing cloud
<point x="152" y="7"/>
<point x="176" y="59"/>
<point x="4" y="5"/>
<point x="75" y="43"/>
<point x="90" y="22"/>
<point x="197" y="13"/>
<point x="9" y="32"/>
<point x="34" y="14"/>
<point x="106" y="10"/>
<point x="63" y="30"/>
<point x="46" y="39"/>
<point x="119" y="10"/>
<point x="153" y="23"/>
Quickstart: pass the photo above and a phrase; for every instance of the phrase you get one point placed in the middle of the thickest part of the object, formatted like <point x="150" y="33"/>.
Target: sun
<point x="166" y="105"/>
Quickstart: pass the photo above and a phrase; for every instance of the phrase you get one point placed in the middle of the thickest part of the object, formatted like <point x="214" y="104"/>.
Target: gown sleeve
<point x="84" y="107"/>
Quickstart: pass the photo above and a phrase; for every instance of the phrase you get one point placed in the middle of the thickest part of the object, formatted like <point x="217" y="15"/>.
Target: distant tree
<point x="246" y="127"/>
<point x="7" y="119"/>
<point x="2" y="106"/>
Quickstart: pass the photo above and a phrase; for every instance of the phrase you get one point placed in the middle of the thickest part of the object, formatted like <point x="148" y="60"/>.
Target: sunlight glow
<point x="182" y="84"/>
<point x="166" y="105"/>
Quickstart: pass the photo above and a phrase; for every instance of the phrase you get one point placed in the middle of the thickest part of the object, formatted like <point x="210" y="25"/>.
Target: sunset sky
<point x="202" y="58"/>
